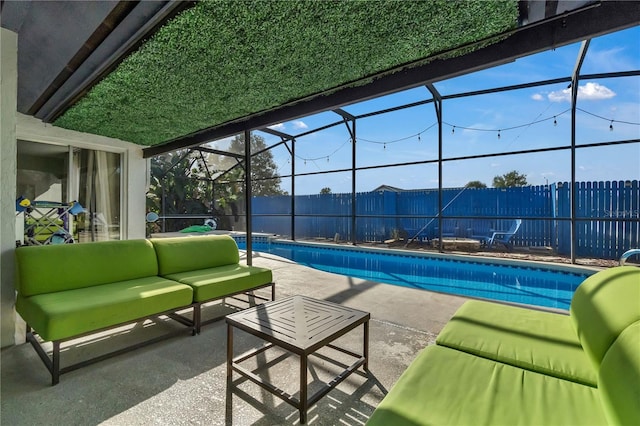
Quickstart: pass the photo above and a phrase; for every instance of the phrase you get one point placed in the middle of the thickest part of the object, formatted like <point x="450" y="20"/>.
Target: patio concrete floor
<point x="182" y="380"/>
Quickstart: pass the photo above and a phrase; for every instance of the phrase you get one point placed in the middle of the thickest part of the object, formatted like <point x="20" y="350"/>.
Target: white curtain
<point x="103" y="194"/>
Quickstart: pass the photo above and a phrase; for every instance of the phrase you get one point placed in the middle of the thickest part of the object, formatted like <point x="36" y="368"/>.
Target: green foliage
<point x="264" y="180"/>
<point x="325" y="190"/>
<point x="513" y="178"/>
<point x="175" y="189"/>
<point x="222" y="60"/>
<point x="184" y="179"/>
<point x="475" y="184"/>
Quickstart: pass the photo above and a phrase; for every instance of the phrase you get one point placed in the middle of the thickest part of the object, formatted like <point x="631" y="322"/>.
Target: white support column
<point x="135" y="193"/>
<point x="8" y="164"/>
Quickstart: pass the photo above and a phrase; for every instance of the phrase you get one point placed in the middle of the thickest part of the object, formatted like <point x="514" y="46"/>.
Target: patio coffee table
<point x="300" y="325"/>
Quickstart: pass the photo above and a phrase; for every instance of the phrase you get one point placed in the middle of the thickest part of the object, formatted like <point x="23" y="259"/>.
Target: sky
<point x="525" y="119"/>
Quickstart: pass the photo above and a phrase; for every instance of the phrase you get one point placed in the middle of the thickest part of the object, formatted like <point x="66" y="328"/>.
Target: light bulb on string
<point x="305" y="162"/>
<point x="555" y="122"/>
<point x="498" y="134"/>
<point x="384" y="146"/>
<point x="611" y="126"/>
<point x="418" y="137"/>
<point x="327" y="159"/>
<point x="453" y="130"/>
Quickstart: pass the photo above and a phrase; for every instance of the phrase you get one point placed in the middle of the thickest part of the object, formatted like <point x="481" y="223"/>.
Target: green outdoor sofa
<point x="496" y="364"/>
<point x="70" y="290"/>
<point x="210" y="266"/>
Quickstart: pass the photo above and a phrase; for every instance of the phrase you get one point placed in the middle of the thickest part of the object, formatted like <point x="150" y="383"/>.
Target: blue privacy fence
<point x="607" y="215"/>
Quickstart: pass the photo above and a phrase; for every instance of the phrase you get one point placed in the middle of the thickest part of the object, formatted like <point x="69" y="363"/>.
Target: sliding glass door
<point x="52" y="178"/>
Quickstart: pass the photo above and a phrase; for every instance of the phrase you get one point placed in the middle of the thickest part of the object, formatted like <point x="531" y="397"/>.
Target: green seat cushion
<point x="531" y="339"/>
<point x="619" y="382"/>
<point x="64" y="314"/>
<point x="52" y="268"/>
<point x="603" y="305"/>
<point x="214" y="283"/>
<point x="444" y="386"/>
<point x="183" y="254"/>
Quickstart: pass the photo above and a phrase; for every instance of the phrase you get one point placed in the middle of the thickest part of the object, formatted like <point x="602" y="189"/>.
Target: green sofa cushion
<point x="619" y="382"/>
<point x="182" y="254"/>
<point x="444" y="386"/>
<point x="534" y="340"/>
<point x="214" y="283"/>
<point x="64" y="314"/>
<point x="603" y="305"/>
<point x="53" y="268"/>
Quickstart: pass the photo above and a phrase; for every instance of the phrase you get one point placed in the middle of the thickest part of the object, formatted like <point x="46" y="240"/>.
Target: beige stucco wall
<point x="8" y="97"/>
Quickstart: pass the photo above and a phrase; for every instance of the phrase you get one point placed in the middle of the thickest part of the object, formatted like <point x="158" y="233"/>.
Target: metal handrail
<point x="627" y="254"/>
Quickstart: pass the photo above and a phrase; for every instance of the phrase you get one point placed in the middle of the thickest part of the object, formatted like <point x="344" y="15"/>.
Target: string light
<point x="327" y="157"/>
<point x="453" y="131"/>
<point x="399" y="140"/>
<point x="610" y="120"/>
<point x="477" y="129"/>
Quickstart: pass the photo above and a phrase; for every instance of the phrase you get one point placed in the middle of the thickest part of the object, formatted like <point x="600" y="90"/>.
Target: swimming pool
<point x="497" y="280"/>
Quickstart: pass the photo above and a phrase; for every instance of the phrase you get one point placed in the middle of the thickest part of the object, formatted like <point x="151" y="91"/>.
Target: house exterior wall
<point x="135" y="170"/>
<point x="8" y="153"/>
<point x="15" y="126"/>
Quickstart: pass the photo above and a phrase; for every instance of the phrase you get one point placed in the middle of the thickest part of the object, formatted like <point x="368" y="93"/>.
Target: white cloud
<point x="222" y="144"/>
<point x="537" y="97"/>
<point x="300" y="125"/>
<point x="279" y="126"/>
<point x="595" y="91"/>
<point x="589" y="92"/>
<point x="560" y="95"/>
<point x="611" y="60"/>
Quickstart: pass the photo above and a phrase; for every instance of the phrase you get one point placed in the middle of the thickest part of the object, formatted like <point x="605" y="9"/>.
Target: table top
<point x="299" y="324"/>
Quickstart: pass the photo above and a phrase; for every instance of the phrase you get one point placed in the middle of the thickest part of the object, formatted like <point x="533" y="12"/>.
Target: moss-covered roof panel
<point x="224" y="60"/>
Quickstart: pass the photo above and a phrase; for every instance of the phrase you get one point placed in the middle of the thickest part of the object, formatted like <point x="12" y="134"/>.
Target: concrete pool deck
<point x="182" y="380"/>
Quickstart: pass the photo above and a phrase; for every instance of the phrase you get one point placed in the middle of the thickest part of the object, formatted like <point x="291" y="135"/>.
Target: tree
<point x="177" y="186"/>
<point x="192" y="182"/>
<point x="264" y="171"/>
<point x="513" y="178"/>
<point x="325" y="190"/>
<point x="475" y="184"/>
<point x="229" y="185"/>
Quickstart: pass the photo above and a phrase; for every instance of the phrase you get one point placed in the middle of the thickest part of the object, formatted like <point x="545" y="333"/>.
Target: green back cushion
<point x="183" y="254"/>
<point x="619" y="378"/>
<point x="603" y="305"/>
<point x="540" y="341"/>
<point x="51" y="268"/>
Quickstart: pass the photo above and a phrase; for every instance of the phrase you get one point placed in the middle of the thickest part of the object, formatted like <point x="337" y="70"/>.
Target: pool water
<point x="520" y="284"/>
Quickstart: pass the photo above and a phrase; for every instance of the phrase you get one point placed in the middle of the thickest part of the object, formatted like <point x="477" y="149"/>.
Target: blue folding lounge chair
<point x="501" y="237"/>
